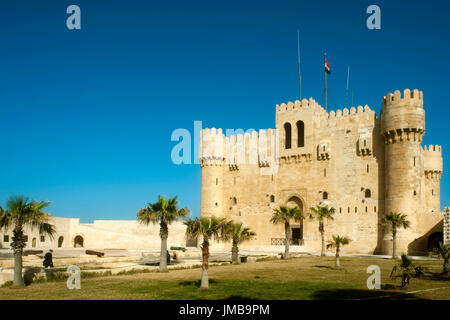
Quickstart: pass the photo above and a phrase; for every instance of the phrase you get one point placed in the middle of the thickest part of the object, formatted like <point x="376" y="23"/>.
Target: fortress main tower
<point x="362" y="165"/>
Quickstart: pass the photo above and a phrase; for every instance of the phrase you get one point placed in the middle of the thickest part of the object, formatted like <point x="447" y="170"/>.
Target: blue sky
<point x="86" y="115"/>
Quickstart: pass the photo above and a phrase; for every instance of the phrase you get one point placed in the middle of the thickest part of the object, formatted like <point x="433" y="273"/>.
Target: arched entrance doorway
<point x="434" y="239"/>
<point x="296" y="227"/>
<point x="60" y="241"/>
<point x="78" y="242"/>
<point x="33" y="243"/>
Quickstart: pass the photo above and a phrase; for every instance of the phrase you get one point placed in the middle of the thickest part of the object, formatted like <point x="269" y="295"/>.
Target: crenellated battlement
<point x="235" y="150"/>
<point x="403" y="118"/>
<point x="409" y="97"/>
<point x="432" y="149"/>
<point x="352" y="111"/>
<point x="211" y="149"/>
<point x="300" y="105"/>
<point x="433" y="165"/>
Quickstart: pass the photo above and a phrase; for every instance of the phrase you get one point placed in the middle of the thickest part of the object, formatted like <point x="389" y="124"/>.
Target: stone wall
<point x="101" y="234"/>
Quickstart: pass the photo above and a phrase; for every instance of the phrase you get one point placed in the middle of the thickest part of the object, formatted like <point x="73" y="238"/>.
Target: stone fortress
<point x="362" y="165"/>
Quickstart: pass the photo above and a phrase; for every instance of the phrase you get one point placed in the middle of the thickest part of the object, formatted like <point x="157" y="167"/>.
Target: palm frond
<point x="284" y="214"/>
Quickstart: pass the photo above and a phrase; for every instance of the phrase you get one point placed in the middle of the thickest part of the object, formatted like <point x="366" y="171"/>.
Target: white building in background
<point x="101" y="234"/>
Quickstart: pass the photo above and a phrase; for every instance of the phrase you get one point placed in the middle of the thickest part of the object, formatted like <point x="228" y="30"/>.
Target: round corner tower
<point x="403" y="127"/>
<point x="212" y="160"/>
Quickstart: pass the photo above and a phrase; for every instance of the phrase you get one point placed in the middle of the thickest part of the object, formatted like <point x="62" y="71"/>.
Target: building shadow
<point x="361" y="294"/>
<point x="195" y="283"/>
<point x="423" y="244"/>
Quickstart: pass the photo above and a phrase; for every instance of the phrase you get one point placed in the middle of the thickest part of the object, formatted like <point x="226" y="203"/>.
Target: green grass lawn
<point x="299" y="278"/>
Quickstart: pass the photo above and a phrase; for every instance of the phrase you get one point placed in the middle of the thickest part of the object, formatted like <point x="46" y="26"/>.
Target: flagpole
<point x="326" y="107"/>
<point x="346" y="90"/>
<point x="298" y="53"/>
<point x="352" y="98"/>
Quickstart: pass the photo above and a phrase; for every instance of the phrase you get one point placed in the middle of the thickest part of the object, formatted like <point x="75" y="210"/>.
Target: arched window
<point x="368" y="194"/>
<point x="287" y="134"/>
<point x="78" y="242"/>
<point x="300" y="134"/>
<point x="272" y="198"/>
<point x="234" y="201"/>
<point x="325" y="195"/>
<point x="60" y="241"/>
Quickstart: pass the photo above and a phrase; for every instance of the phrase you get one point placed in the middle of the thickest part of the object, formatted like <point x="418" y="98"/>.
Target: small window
<point x="414" y="161"/>
<point x="367" y="168"/>
<point x="300" y="134"/>
<point x="5" y="238"/>
<point x="356" y="209"/>
<point x="365" y="143"/>
<point x="366" y="209"/>
<point x="340" y="210"/>
<point x="287" y="134"/>
<point x="415" y="193"/>
<point x="217" y="204"/>
<point x="325" y="195"/>
<point x="25" y="237"/>
<point x="367" y="193"/>
<point x="234" y="201"/>
<point x="348" y="209"/>
<point x="272" y="198"/>
<point x="432" y="192"/>
<point x="42" y="238"/>
<point x="375" y="209"/>
<point x="324" y="172"/>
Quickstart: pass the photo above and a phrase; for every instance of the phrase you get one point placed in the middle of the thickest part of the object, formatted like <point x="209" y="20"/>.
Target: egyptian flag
<point x="327" y="66"/>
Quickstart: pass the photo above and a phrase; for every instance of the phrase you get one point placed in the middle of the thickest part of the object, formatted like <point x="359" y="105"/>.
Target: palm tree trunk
<point x="337" y="256"/>
<point x="205" y="255"/>
<point x="287" y="232"/>
<point x="18" y="244"/>
<point x="405" y="281"/>
<point x="394" y="243"/>
<point x="235" y="253"/>
<point x="164" y="234"/>
<point x="446" y="266"/>
<point x="322" y="236"/>
<point x="18" y="278"/>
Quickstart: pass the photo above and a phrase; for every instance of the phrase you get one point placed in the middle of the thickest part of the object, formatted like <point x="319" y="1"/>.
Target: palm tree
<point x="21" y="213"/>
<point x="337" y="242"/>
<point x="444" y="251"/>
<point x="284" y="215"/>
<point x="164" y="211"/>
<point x="394" y="221"/>
<point x="238" y="234"/>
<point x="322" y="212"/>
<point x="210" y="228"/>
<point x="405" y="269"/>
